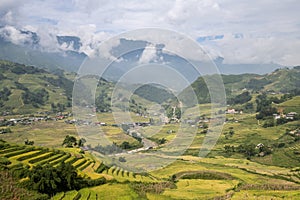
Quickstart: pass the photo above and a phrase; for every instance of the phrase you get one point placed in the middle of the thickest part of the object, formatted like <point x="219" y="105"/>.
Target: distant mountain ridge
<point x="68" y="54"/>
<point x="283" y="80"/>
<point x="29" y="89"/>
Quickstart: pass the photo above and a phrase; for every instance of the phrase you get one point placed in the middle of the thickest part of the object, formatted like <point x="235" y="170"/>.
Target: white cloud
<point x="9" y="10"/>
<point x="256" y="49"/>
<point x="13" y="35"/>
<point x="149" y="54"/>
<point x="271" y="28"/>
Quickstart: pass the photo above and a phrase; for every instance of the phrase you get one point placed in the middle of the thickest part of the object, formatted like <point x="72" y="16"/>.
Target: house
<point x="231" y="111"/>
<point x="102" y="124"/>
<point x="190" y="121"/>
<point x="260" y="145"/>
<point x="291" y="115"/>
<point x="276" y="116"/>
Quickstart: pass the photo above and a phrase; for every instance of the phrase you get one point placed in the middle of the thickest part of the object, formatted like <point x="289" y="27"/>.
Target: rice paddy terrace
<point x="187" y="178"/>
<point x="86" y="165"/>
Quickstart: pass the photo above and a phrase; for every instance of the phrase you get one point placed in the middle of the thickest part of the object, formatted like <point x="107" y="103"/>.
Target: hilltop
<point x="280" y="81"/>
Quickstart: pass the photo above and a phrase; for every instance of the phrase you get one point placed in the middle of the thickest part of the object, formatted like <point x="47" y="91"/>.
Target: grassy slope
<point x="32" y="82"/>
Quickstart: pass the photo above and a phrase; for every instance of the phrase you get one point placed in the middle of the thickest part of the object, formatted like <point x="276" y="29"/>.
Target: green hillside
<point x="256" y="156"/>
<point x="280" y="81"/>
<point x="26" y="89"/>
<point x="187" y="178"/>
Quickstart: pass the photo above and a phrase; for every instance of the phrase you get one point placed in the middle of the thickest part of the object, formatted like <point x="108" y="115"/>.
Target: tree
<point x="162" y="141"/>
<point x="249" y="106"/>
<point x="242" y="98"/>
<point x="29" y="142"/>
<point x="50" y="180"/>
<point x="69" y="141"/>
<point x="125" y="145"/>
<point x="44" y="179"/>
<point x="81" y="142"/>
<point x="229" y="149"/>
<point x="122" y="159"/>
<point x="269" y="123"/>
<point x="248" y="150"/>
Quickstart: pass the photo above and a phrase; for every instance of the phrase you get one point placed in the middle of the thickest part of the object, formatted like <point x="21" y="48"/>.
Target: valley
<point x="256" y="156"/>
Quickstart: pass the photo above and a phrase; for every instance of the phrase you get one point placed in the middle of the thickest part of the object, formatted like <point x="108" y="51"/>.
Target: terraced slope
<point x="85" y="164"/>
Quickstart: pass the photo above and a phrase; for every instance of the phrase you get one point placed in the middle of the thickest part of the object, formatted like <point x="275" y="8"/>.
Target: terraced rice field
<point x="87" y="166"/>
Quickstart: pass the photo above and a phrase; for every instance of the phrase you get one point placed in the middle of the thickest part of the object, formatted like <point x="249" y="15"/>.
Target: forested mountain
<point x="28" y="89"/>
<point x="280" y="81"/>
<point x="25" y="89"/>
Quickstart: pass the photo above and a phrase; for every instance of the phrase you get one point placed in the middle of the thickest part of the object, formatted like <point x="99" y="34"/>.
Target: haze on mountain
<point x="256" y="37"/>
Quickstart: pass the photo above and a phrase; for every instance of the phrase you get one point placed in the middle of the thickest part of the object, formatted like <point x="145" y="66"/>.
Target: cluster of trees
<point x="29" y="142"/>
<point x="6" y="123"/>
<point x="162" y="141"/>
<point x="2" y="77"/>
<point x="4" y="94"/>
<point x="51" y="180"/>
<point x="264" y="104"/>
<point x="136" y="136"/>
<point x="126" y="145"/>
<point x="122" y="159"/>
<point x="61" y="82"/>
<point x="159" y="140"/>
<point x="20" y="86"/>
<point x="201" y="90"/>
<point x="264" y="107"/>
<point x="58" y="107"/>
<point x="241" y="98"/>
<point x="170" y="112"/>
<point x="248" y="107"/>
<point x="266" y="110"/>
<point x="71" y="141"/>
<point x="22" y="69"/>
<point x="5" y="130"/>
<point x="110" y="149"/>
<point x="36" y="98"/>
<point x="102" y="102"/>
<point x="115" y="148"/>
<point x="230" y="133"/>
<point x="46" y="179"/>
<point x="248" y="150"/>
<point x="270" y="121"/>
<point x="137" y="107"/>
<point x="257" y="84"/>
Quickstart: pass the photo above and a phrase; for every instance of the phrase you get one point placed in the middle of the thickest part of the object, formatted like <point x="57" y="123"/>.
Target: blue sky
<point x="259" y="31"/>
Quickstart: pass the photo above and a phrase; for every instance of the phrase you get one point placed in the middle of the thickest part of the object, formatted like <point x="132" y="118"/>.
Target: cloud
<point x="149" y="54"/>
<point x="270" y="29"/>
<point x="10" y="33"/>
<point x="252" y="49"/>
<point x="9" y="10"/>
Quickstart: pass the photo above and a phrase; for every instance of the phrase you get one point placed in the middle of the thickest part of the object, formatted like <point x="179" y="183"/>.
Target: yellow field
<point x="199" y="189"/>
<point x="114" y="191"/>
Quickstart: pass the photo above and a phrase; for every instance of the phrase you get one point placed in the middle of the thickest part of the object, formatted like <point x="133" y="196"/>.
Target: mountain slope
<point x="28" y="89"/>
<point x="280" y="81"/>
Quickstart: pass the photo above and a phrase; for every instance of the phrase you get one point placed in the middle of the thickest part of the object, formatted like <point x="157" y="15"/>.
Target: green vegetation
<point x="154" y="93"/>
<point x="257" y="155"/>
<point x="25" y="89"/>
